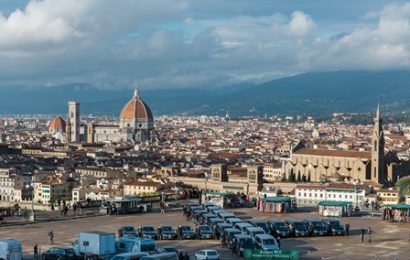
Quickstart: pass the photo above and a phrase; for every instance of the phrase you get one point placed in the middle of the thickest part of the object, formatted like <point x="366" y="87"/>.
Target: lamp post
<point x="32" y="215"/>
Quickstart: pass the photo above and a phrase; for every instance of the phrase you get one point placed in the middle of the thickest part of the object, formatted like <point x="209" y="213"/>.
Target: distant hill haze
<point x="316" y="93"/>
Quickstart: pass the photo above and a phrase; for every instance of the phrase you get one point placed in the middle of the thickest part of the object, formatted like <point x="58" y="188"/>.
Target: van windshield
<point x="269" y="242"/>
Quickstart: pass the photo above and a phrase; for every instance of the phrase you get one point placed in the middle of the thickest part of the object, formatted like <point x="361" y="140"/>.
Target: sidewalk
<point x="47" y="216"/>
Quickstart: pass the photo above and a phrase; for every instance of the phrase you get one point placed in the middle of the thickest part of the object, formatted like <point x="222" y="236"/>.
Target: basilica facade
<point x="321" y="165"/>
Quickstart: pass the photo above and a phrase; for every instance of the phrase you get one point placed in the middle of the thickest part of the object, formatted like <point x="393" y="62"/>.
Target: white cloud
<point x="301" y="24"/>
<point x="176" y="43"/>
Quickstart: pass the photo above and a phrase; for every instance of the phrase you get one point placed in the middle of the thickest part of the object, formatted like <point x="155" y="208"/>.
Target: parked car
<point x="233" y="221"/>
<point x="260" y="223"/>
<point x="220" y="227"/>
<point x="185" y="232"/>
<point x="212" y="222"/>
<point x="127" y="231"/>
<point x="297" y="228"/>
<point x="242" y="226"/>
<point x="253" y="231"/>
<point x="334" y="227"/>
<point x="206" y="205"/>
<point x="167" y="232"/>
<point x="316" y="227"/>
<point x="59" y="253"/>
<point x="168" y="249"/>
<point x="161" y="256"/>
<point x="207" y="254"/>
<point x="230" y="233"/>
<point x="148" y="232"/>
<point x="243" y="242"/>
<point x="206" y="217"/>
<point x="279" y="228"/>
<point x="204" y="232"/>
<point x="266" y="242"/>
<point x="225" y="215"/>
<point x="212" y="209"/>
<point x="129" y="256"/>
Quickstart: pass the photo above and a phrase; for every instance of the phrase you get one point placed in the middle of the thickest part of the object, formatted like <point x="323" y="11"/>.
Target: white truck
<point x="95" y="243"/>
<point x="135" y="244"/>
<point x="11" y="249"/>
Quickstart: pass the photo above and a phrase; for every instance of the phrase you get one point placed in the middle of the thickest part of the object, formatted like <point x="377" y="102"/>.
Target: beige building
<point x="273" y="171"/>
<point x="388" y="196"/>
<point x="140" y="187"/>
<point x="51" y="190"/>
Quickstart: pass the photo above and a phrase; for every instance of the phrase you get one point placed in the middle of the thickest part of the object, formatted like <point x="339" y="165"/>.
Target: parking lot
<point x="389" y="240"/>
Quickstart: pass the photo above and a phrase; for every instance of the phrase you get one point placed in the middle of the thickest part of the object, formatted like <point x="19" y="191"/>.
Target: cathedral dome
<point x="136" y="109"/>
<point x="56" y="123"/>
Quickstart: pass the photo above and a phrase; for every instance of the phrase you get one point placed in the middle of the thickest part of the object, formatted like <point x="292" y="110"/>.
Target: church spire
<point x="136" y="94"/>
<point x="378" y="113"/>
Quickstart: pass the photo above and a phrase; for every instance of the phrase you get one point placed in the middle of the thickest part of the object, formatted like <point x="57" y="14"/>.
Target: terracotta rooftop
<point x="333" y="153"/>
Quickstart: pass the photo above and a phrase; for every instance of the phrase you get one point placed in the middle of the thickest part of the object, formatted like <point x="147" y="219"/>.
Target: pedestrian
<point x="161" y="205"/>
<point x="184" y="210"/>
<point x="181" y="256"/>
<point x="74" y="208"/>
<point x="233" y="245"/>
<point x="278" y="241"/>
<point x="347" y="229"/>
<point x="186" y="256"/>
<point x="51" y="237"/>
<point x="65" y="210"/>
<point x="369" y="233"/>
<point x="362" y="231"/>
<point x="35" y="251"/>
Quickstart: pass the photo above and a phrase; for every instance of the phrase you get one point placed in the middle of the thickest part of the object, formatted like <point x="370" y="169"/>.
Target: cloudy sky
<point x="180" y="43"/>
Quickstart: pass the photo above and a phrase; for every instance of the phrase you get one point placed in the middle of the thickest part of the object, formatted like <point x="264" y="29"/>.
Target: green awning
<point x="397" y="206"/>
<point x="276" y="199"/>
<point x="332" y="203"/>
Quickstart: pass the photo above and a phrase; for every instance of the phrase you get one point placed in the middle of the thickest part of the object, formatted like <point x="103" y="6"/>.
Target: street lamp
<point x="28" y="186"/>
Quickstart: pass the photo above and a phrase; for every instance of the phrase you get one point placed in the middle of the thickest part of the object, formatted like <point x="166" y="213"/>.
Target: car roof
<point x="233" y="219"/>
<point x="264" y="236"/>
<point x="254" y="228"/>
<point x="226" y="214"/>
<point x="216" y="219"/>
<point x="276" y="221"/>
<point x="232" y="230"/>
<point x="242" y="236"/>
<point x="257" y="220"/>
<point x="244" y="224"/>
<point x="209" y="250"/>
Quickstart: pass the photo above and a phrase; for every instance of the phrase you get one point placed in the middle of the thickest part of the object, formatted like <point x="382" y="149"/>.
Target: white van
<point x="11" y="249"/>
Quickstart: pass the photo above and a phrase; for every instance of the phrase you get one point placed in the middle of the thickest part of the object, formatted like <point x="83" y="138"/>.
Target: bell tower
<point x="378" y="171"/>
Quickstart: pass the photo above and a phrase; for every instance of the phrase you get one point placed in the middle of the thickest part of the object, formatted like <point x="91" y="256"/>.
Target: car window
<point x="167" y="228"/>
<point x="58" y="251"/>
<point x="128" y="229"/>
<point x="148" y="229"/>
<point x="212" y="253"/>
<point x="205" y="228"/>
<point x="70" y="252"/>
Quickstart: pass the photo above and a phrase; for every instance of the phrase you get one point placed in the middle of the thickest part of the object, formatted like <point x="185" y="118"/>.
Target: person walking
<point x="347" y="229"/>
<point x="186" y="256"/>
<point x="362" y="231"/>
<point x="35" y="251"/>
<point x="51" y="237"/>
<point x="369" y="233"/>
<point x="161" y="205"/>
<point x="278" y="241"/>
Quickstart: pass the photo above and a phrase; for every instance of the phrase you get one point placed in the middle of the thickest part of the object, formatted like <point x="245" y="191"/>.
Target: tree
<point x="299" y="179"/>
<point x="304" y="178"/>
<point x="283" y="178"/>
<point x="403" y="185"/>
<point x="308" y="178"/>
<point x="292" y="177"/>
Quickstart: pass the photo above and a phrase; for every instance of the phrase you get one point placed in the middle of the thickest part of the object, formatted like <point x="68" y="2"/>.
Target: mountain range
<point x="315" y="93"/>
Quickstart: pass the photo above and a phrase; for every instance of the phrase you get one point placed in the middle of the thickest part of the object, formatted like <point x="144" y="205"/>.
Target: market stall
<point x="396" y="213"/>
<point x="274" y="204"/>
<point x="335" y="208"/>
